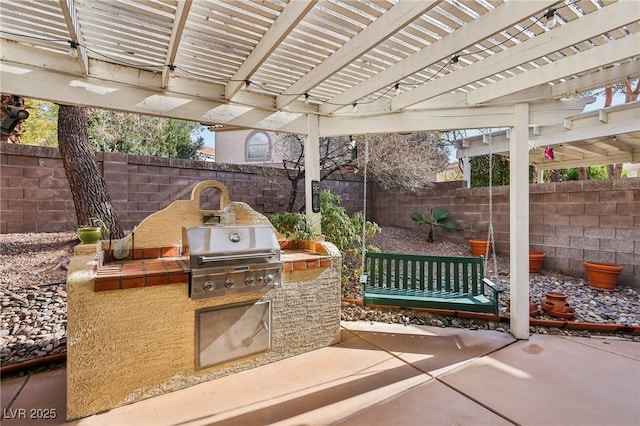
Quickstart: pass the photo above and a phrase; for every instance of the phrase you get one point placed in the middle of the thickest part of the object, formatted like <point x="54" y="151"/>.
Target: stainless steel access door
<point x="232" y="332"/>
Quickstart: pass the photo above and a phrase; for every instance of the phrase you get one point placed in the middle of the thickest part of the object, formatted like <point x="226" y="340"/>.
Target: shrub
<point x="437" y="218"/>
<point x="293" y="225"/>
<point x="345" y="232"/>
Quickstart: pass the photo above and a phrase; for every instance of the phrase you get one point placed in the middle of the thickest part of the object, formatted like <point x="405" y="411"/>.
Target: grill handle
<point x="207" y="259"/>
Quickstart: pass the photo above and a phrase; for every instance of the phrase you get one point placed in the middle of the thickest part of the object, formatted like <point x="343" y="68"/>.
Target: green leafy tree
<point x="480" y="171"/>
<point x="42" y="125"/>
<point x="113" y="131"/>
<point x="437" y="218"/>
<point x="592" y="172"/>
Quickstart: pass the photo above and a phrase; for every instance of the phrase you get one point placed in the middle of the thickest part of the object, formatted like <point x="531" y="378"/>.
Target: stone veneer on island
<point x="131" y="325"/>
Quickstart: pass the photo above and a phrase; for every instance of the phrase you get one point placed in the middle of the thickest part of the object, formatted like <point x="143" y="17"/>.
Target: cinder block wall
<point x="570" y="221"/>
<point x="35" y="195"/>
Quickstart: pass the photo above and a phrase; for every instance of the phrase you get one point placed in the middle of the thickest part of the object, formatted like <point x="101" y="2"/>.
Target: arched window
<point x="258" y="147"/>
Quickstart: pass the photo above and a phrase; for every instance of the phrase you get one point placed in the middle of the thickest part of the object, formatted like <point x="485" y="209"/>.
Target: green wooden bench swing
<point x="417" y="281"/>
<point x="423" y="281"/>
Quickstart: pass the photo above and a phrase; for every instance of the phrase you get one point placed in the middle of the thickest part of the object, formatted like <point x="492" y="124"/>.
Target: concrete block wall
<point x="35" y="195"/>
<point x="571" y="222"/>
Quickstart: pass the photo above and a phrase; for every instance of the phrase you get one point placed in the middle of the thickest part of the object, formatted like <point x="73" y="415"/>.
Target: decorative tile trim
<point x="139" y="273"/>
<point x="145" y="253"/>
<point x="163" y="271"/>
<point x="303" y="245"/>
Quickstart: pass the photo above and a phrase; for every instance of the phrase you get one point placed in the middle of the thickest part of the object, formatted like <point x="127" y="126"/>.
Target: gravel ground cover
<point x="33" y="296"/>
<point x="621" y="306"/>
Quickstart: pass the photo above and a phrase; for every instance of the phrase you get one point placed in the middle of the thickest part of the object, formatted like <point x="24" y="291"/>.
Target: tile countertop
<point x="167" y="270"/>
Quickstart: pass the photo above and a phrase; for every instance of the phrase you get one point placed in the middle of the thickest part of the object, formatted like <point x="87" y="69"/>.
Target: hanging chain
<point x="364" y="200"/>
<point x="490" y="235"/>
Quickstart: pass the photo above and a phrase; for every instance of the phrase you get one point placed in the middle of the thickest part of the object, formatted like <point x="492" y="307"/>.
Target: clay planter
<point x="89" y="234"/>
<point x="536" y="259"/>
<point x="555" y="304"/>
<point x="479" y="247"/>
<point x="534" y="309"/>
<point x="602" y="276"/>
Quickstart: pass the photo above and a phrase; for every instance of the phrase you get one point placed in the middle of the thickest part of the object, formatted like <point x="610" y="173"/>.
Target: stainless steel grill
<point x="226" y="260"/>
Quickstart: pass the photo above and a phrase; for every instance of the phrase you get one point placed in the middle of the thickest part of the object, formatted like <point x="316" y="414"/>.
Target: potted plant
<point x="90" y="234"/>
<point x="602" y="276"/>
<point x="536" y="260"/>
<point x="480" y="247"/>
<point x="437" y="218"/>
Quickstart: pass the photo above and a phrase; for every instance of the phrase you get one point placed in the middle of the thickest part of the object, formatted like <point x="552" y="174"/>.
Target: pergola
<point x="335" y="67"/>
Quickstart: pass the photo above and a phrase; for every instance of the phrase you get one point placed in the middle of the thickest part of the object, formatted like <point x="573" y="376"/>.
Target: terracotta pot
<point x="479" y="247"/>
<point x="602" y="276"/>
<point x="534" y="309"/>
<point x="555" y="304"/>
<point x="536" y="259"/>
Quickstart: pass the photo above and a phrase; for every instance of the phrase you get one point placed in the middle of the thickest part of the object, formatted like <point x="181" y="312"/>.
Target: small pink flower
<point x="548" y="154"/>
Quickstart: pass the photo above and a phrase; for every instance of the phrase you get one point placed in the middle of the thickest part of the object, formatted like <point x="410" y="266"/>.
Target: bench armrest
<point x="492" y="286"/>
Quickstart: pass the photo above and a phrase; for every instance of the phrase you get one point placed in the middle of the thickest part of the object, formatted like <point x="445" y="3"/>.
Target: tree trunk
<point x="293" y="194"/>
<point x="614" y="171"/>
<point x="88" y="188"/>
<point x="582" y="173"/>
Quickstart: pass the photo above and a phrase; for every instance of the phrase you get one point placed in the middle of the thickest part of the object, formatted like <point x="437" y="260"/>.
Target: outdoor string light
<point x="73" y="49"/>
<point x="456" y="62"/>
<point x="549" y="19"/>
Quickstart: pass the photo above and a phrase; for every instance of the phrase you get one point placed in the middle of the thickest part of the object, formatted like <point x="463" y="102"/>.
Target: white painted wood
<point x="75" y="34"/>
<point x="466" y="171"/>
<point x="618" y="50"/>
<point x="182" y="12"/>
<point x="445" y="48"/>
<point x="132" y="42"/>
<point x="596" y="79"/>
<point x="292" y="14"/>
<point x="413" y="121"/>
<point x="552" y="41"/>
<point x="312" y="168"/>
<point x="383" y="27"/>
<point x="519" y="223"/>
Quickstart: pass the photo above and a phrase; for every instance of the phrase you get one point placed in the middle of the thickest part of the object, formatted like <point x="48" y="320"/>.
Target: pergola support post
<point x="519" y="222"/>
<point x="466" y="170"/>
<point x="312" y="167"/>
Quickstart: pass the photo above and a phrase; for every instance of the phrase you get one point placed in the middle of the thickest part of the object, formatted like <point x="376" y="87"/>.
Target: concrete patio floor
<point x="388" y="374"/>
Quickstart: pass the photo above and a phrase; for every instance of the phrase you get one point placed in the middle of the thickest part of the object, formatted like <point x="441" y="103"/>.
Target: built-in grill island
<point x="202" y="294"/>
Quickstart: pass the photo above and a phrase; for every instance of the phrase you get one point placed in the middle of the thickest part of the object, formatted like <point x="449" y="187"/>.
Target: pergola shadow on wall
<point x="322" y="68"/>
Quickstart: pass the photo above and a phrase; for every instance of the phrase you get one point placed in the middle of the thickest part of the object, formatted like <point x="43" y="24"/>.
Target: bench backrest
<point x="448" y="274"/>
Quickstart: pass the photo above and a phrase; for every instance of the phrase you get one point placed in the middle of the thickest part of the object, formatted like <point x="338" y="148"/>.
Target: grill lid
<point x="223" y="245"/>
